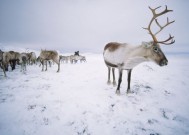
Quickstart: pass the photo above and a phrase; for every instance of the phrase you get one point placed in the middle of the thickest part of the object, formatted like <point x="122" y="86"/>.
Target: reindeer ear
<point x="147" y="44"/>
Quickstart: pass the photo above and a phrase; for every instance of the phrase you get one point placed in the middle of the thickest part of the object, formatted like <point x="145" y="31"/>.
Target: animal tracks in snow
<point x="40" y="108"/>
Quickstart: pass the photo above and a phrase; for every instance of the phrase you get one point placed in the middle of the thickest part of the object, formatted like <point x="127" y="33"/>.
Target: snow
<point x="78" y="101"/>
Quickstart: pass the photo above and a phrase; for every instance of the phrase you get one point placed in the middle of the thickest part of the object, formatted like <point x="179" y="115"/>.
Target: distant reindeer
<point x="75" y="58"/>
<point x="32" y="58"/>
<point x="11" y="58"/>
<point x="1" y="62"/>
<point x="81" y="58"/>
<point x="46" y="55"/>
<point x="23" y="61"/>
<point x="64" y="59"/>
<point x="38" y="60"/>
<point x="46" y="62"/>
<point x="125" y="57"/>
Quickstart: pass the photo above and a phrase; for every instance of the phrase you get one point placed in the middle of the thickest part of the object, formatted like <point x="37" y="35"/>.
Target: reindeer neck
<point x="138" y="51"/>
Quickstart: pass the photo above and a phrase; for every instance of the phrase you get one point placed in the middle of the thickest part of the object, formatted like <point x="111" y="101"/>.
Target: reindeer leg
<point x="21" y="67"/>
<point x="49" y="63"/>
<point x="13" y="64"/>
<point x="109" y="81"/>
<point x="42" y="62"/>
<point x="119" y="81"/>
<point x="46" y="66"/>
<point x="6" y="67"/>
<point x="3" y="67"/>
<point x="58" y="67"/>
<point x="129" y="80"/>
<point x="113" y="73"/>
<point x="57" y="61"/>
<point x="4" y="73"/>
<point x="25" y="66"/>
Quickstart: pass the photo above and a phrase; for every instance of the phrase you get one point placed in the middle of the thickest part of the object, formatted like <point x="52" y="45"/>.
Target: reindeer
<point x="49" y="55"/>
<point x="75" y="58"/>
<point x="46" y="62"/>
<point x="10" y="57"/>
<point x="123" y="56"/>
<point x="1" y="62"/>
<point x="83" y="59"/>
<point x="7" y="58"/>
<point x="64" y="59"/>
<point x="23" y="61"/>
<point x="32" y="58"/>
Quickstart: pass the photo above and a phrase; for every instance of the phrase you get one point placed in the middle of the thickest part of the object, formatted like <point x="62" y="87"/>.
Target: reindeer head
<point x="155" y="51"/>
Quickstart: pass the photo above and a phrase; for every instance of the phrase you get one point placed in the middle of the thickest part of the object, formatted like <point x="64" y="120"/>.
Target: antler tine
<point x="155" y="15"/>
<point x="165" y="41"/>
<point x="162" y="27"/>
<point x="172" y="41"/>
<point x="165" y="11"/>
<point x="154" y="10"/>
<point x="158" y="24"/>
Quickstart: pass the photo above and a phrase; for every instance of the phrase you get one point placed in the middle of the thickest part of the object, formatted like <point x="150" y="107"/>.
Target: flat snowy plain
<point x="78" y="101"/>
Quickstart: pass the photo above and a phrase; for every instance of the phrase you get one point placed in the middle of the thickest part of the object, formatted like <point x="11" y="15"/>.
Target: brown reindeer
<point x="11" y="58"/>
<point x="46" y="55"/>
<point x="125" y="57"/>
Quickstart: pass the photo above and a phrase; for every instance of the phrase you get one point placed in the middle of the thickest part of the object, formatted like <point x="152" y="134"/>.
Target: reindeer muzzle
<point x="164" y="62"/>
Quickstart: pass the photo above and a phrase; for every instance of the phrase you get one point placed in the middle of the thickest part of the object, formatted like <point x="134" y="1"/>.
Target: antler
<point x="155" y="16"/>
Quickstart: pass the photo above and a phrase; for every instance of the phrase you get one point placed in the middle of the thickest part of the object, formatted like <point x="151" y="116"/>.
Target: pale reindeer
<point x="46" y="55"/>
<point x="1" y="62"/>
<point x="46" y="62"/>
<point x="75" y="58"/>
<point x="32" y="58"/>
<point x="125" y="57"/>
<point x="64" y="58"/>
<point x="23" y="61"/>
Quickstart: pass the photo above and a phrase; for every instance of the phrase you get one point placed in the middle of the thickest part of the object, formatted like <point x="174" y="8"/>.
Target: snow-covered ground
<point x="77" y="101"/>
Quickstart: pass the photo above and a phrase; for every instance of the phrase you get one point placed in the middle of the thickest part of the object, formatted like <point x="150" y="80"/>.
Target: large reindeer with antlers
<point x="125" y="57"/>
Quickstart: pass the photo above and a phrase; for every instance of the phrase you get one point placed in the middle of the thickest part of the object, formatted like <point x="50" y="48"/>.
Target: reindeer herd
<point x="13" y="58"/>
<point x="121" y="56"/>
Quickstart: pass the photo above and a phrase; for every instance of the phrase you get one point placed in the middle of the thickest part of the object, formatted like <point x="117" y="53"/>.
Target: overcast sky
<point x="86" y="25"/>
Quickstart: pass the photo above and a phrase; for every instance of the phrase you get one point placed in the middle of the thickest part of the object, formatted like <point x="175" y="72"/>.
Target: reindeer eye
<point x="155" y="49"/>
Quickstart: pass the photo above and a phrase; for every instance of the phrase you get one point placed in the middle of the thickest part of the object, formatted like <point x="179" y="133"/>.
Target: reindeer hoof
<point x="114" y="84"/>
<point x="109" y="82"/>
<point x="118" y="92"/>
<point x="129" y="91"/>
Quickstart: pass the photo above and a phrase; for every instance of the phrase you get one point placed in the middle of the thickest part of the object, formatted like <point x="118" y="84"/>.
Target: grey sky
<point x="85" y="25"/>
